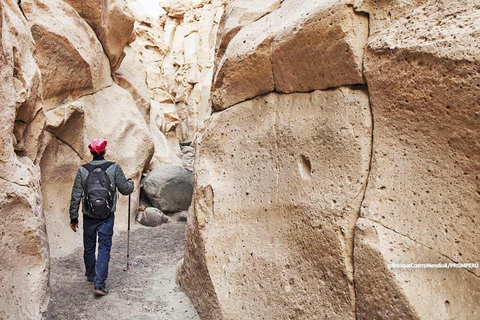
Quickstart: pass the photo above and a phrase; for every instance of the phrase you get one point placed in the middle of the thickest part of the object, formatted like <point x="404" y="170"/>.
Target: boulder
<point x="169" y="188"/>
<point x="151" y="217"/>
<point x="183" y="216"/>
<point x="113" y="23"/>
<point x="277" y="183"/>
<point x="302" y="46"/>
<point x="70" y="57"/>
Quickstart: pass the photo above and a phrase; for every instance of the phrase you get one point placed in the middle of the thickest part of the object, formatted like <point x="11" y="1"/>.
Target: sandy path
<point x="147" y="291"/>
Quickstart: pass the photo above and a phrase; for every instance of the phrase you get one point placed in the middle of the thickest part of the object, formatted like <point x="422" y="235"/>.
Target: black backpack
<point x="98" y="193"/>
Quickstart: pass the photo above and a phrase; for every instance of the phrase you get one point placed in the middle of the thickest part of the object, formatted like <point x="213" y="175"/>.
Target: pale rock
<point x="298" y="47"/>
<point x="132" y="77"/>
<point x="424" y="177"/>
<point x="384" y="292"/>
<point x="319" y="50"/>
<point x="113" y="23"/>
<point x="190" y="47"/>
<point x="29" y="119"/>
<point x="70" y="57"/>
<point x="382" y="13"/>
<point x="279" y="179"/>
<point x="164" y="153"/>
<point x="59" y="164"/>
<point x="169" y="29"/>
<point x="23" y="241"/>
<point x="151" y="217"/>
<point x="161" y="96"/>
<point x="24" y="247"/>
<point x="178" y="8"/>
<point x="66" y="123"/>
<point x="239" y="14"/>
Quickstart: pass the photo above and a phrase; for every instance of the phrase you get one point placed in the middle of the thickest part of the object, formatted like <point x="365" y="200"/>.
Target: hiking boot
<point x="100" y="291"/>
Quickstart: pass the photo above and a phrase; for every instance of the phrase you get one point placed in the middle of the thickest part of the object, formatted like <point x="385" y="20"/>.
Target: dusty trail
<point x="147" y="291"/>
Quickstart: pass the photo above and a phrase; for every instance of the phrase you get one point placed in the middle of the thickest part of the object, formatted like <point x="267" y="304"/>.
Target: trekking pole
<point x="128" y="234"/>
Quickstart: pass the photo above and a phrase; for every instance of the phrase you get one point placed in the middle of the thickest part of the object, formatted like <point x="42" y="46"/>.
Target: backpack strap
<point x="104" y="166"/>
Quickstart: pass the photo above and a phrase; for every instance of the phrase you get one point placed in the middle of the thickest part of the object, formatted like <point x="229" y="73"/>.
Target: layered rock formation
<point x="177" y="52"/>
<point x="302" y="200"/>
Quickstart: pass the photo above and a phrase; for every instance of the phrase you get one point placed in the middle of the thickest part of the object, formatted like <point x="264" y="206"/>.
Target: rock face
<point x="169" y="188"/>
<point x="303" y="201"/>
<point x="113" y="23"/>
<point x="69" y="54"/>
<point x="151" y="217"/>
<point x="178" y="54"/>
<point x="270" y="190"/>
<point x="280" y="51"/>
<point x="426" y="155"/>
<point x="23" y="242"/>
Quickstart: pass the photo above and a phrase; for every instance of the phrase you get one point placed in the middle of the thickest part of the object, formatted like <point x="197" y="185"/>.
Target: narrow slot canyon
<point x="290" y="159"/>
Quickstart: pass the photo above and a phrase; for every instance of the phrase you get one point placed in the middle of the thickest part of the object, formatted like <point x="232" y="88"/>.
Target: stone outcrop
<point x="424" y="178"/>
<point x="70" y="57"/>
<point x="112" y="22"/>
<point x="331" y="139"/>
<point x="23" y="242"/>
<point x="303" y="201"/>
<point x="394" y="293"/>
<point x="300" y="47"/>
<point x="131" y="76"/>
<point x="178" y="53"/>
<point x="257" y="194"/>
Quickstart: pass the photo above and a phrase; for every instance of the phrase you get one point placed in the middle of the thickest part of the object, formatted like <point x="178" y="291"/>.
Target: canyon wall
<point x="344" y="139"/>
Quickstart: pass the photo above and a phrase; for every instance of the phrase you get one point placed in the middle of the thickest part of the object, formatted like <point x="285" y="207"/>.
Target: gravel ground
<point x="147" y="291"/>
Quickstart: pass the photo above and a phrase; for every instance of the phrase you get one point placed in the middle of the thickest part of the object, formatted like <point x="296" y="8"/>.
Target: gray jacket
<point x="117" y="178"/>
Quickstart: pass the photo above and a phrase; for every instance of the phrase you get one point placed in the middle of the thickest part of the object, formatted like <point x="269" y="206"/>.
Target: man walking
<point x="96" y="182"/>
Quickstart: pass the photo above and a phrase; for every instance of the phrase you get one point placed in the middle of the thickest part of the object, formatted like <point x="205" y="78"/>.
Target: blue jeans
<point x="97" y="270"/>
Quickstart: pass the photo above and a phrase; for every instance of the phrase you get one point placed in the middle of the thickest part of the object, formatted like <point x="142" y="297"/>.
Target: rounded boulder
<point x="169" y="188"/>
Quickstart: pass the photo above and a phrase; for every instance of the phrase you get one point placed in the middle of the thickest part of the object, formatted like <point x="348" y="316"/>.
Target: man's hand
<point x="131" y="181"/>
<point x="74" y="226"/>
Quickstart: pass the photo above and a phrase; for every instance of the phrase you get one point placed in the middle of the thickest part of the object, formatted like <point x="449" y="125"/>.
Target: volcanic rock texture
<point x="345" y="138"/>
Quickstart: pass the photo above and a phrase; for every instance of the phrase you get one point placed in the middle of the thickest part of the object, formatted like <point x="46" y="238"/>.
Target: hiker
<point x="96" y="182"/>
